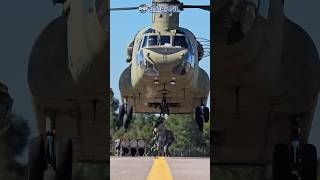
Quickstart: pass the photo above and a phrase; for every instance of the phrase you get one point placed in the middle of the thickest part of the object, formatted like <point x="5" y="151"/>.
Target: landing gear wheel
<point x="122" y="112"/>
<point x="37" y="162"/>
<point x="309" y="162"/>
<point x="128" y="117"/>
<point x="199" y="118"/>
<point x="281" y="163"/>
<point x="64" y="159"/>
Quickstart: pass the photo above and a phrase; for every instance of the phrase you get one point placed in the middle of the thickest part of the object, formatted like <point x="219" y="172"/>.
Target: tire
<point x="281" y="163"/>
<point x="37" y="161"/>
<point x="133" y="151"/>
<point x="125" y="152"/>
<point x="141" y="152"/>
<point x="198" y="118"/>
<point x="309" y="162"/>
<point x="64" y="159"/>
<point x="122" y="112"/>
<point x="128" y="118"/>
<point x="206" y="114"/>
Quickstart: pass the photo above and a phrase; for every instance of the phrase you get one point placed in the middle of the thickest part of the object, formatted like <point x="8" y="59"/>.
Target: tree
<point x="12" y="143"/>
<point x="189" y="141"/>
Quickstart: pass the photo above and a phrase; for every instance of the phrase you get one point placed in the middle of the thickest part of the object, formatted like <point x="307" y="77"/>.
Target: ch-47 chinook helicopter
<point x="67" y="77"/>
<point x="266" y="86"/>
<point x="164" y="74"/>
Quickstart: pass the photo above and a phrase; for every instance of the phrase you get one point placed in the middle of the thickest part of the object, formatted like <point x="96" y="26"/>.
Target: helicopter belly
<point x="185" y="94"/>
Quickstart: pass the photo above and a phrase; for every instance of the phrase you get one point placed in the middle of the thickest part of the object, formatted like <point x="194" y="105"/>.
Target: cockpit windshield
<point x="180" y="41"/>
<point x="155" y="40"/>
<point x="152" y="40"/>
<point x="165" y="40"/>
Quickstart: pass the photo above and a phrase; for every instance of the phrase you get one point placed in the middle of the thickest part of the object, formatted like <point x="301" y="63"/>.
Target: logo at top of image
<point x="143" y="8"/>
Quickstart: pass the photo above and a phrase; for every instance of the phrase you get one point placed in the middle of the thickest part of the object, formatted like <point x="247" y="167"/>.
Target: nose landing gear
<point x="125" y="114"/>
<point x="51" y="160"/>
<point x="297" y="162"/>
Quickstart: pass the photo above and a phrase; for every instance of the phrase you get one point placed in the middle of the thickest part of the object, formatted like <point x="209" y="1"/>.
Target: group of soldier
<point x="161" y="141"/>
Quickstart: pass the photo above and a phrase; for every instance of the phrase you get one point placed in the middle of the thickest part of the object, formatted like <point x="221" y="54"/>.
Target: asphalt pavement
<point x="151" y="168"/>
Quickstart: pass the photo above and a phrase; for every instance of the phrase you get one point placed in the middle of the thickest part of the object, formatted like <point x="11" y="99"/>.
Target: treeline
<point x="189" y="141"/>
<point x="13" y="142"/>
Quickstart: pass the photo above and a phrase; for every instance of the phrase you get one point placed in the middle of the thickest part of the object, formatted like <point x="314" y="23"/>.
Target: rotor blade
<point x="124" y="9"/>
<point x="204" y="7"/>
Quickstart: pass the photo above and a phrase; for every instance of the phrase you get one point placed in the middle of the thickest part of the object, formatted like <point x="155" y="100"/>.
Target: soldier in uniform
<point x="118" y="147"/>
<point x="169" y="140"/>
<point x="162" y="138"/>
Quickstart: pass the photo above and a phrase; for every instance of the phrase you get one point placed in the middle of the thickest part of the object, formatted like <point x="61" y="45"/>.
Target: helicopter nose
<point x="165" y="56"/>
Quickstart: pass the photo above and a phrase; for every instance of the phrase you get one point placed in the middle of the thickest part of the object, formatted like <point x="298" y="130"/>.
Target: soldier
<point x="162" y="138"/>
<point x="118" y="147"/>
<point x="161" y="135"/>
<point x="154" y="147"/>
<point x="169" y="140"/>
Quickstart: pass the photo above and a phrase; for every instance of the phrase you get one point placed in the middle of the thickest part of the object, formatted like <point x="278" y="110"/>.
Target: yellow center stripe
<point x="160" y="170"/>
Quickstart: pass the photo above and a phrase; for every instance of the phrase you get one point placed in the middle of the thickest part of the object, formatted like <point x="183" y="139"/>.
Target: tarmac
<point x="159" y="168"/>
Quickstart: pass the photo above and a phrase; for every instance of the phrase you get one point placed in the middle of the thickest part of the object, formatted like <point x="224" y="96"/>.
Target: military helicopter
<point x="67" y="77"/>
<point x="164" y="74"/>
<point x="266" y="86"/>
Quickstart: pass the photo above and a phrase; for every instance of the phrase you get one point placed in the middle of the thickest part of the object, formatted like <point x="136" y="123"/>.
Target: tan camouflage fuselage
<point x="140" y="88"/>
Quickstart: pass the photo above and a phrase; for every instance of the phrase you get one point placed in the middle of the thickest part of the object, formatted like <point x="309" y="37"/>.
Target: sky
<point x="22" y="22"/>
<point x="124" y="25"/>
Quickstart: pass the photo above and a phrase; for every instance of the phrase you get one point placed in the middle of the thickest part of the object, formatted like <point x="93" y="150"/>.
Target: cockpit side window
<point x="190" y="45"/>
<point x="180" y="41"/>
<point x="152" y="40"/>
<point x="145" y="39"/>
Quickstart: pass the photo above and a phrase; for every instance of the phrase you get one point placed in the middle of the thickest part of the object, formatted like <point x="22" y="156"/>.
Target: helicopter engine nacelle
<point x="129" y="51"/>
<point x="87" y="40"/>
<point x="200" y="51"/>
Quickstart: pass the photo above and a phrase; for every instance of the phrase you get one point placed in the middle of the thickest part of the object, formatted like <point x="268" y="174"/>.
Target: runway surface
<point x="151" y="168"/>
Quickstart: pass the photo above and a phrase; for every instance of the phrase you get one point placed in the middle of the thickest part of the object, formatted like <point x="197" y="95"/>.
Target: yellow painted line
<point x="160" y="170"/>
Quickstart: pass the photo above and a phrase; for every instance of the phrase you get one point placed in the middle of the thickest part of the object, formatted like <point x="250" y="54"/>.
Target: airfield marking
<point x="160" y="170"/>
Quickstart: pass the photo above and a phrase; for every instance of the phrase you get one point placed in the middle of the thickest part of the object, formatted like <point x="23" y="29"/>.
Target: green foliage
<point x="140" y="128"/>
<point x="189" y="141"/>
<point x="12" y="143"/>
